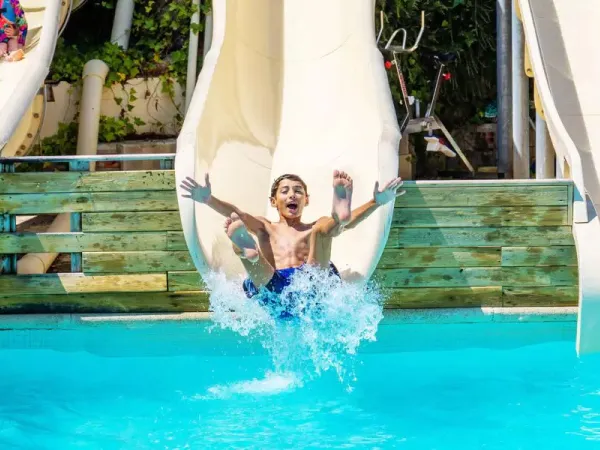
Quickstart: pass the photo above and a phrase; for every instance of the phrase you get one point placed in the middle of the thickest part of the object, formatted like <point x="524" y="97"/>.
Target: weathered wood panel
<point x="81" y="242"/>
<point x="176" y="241"/>
<point x="480" y="237"/>
<point x="539" y="256"/>
<point x="139" y="302"/>
<point x="480" y="217"/>
<point x="131" y="221"/>
<point x="477" y="276"/>
<point x="11" y="285"/>
<point x="185" y="281"/>
<point x="51" y="182"/>
<point x="137" y="262"/>
<point x="540" y="296"/>
<point x="396" y="258"/>
<point x="443" y="297"/>
<point x="461" y="196"/>
<point x="88" y="202"/>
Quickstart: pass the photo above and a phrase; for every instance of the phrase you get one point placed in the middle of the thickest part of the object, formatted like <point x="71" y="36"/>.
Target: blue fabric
<point x="269" y="295"/>
<point x="8" y="11"/>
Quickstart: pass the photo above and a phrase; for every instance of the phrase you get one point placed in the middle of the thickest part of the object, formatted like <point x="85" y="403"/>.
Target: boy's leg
<point x="326" y="228"/>
<point x="15" y="53"/>
<point x="3" y="49"/>
<point x="259" y="269"/>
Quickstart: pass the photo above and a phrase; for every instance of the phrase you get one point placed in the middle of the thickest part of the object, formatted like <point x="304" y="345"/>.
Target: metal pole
<point x="192" y="56"/>
<point x="208" y="31"/>
<point x="541" y="148"/>
<point x="503" y="75"/>
<point x="520" y="100"/>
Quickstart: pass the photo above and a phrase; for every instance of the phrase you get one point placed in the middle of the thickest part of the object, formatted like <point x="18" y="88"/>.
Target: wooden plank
<point x="52" y="182"/>
<point x="480" y="237"/>
<point x="540" y="296"/>
<point x="521" y="216"/>
<point x="439" y="277"/>
<point x="132" y="221"/>
<point x="440" y="257"/>
<point x="539" y="256"/>
<point x="571" y="198"/>
<point x="443" y="297"/>
<point x="81" y="242"/>
<point x="140" y="302"/>
<point x="505" y="183"/>
<point x="176" y="241"/>
<point x="185" y="281"/>
<point x="539" y="276"/>
<point x="136" y="262"/>
<point x="476" y="276"/>
<point x="88" y="202"/>
<point x="49" y="284"/>
<point x="464" y="196"/>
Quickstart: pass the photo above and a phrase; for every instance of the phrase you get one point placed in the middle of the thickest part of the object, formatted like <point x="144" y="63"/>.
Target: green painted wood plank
<point x="476" y="276"/>
<point x="465" y="196"/>
<point x="88" y="202"/>
<point x="480" y="216"/>
<point x="480" y="237"/>
<point x="540" y="296"/>
<point x="139" y="302"/>
<point x="440" y="257"/>
<point x="136" y="262"/>
<point x="81" y="242"/>
<point x="49" y="284"/>
<point x="53" y="182"/>
<point x="176" y="241"/>
<point x="185" y="281"/>
<point x="131" y="221"/>
<point x="443" y="297"/>
<point x="539" y="256"/>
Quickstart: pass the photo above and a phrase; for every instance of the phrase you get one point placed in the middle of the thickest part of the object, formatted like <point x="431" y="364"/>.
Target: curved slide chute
<point x="285" y="89"/>
<point x="566" y="71"/>
<point x="21" y="81"/>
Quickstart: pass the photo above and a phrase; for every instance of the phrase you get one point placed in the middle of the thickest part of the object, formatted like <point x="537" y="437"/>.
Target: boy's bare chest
<point x="289" y="240"/>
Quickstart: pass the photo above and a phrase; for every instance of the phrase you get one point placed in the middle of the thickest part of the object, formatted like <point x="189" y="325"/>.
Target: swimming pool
<point x="83" y="382"/>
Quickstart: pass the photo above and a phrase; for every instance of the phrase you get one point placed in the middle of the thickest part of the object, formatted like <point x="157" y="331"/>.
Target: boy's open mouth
<point x="292" y="207"/>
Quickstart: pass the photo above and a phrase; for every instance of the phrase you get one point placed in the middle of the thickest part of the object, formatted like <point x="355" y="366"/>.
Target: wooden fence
<point x="452" y="244"/>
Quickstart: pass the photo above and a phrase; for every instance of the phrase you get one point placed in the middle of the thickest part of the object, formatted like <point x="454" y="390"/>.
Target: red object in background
<point x="388" y="65"/>
<point x="447" y="76"/>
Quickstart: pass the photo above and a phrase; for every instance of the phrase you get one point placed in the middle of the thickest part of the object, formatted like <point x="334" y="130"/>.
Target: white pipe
<point x="520" y="101"/>
<point x="94" y="76"/>
<point x="192" y="56"/>
<point x="540" y="147"/>
<point x="121" y="29"/>
<point x="208" y="32"/>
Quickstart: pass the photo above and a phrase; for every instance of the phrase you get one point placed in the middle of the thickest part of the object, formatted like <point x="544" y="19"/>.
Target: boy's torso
<point x="284" y="246"/>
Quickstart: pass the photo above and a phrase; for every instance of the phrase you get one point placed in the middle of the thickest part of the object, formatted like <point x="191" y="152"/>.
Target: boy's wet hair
<point x="287" y="176"/>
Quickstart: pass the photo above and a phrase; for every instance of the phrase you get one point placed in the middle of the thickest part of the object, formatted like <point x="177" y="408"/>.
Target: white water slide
<point x="289" y="86"/>
<point x="21" y="81"/>
<point x="564" y="56"/>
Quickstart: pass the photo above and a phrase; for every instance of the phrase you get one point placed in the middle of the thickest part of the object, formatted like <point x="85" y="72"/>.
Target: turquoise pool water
<point x="182" y="386"/>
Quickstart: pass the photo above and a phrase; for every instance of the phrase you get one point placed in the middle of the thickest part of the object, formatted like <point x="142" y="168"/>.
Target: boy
<point x="286" y="246"/>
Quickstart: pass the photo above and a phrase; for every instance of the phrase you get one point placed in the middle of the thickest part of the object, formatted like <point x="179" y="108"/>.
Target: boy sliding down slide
<point x="289" y="245"/>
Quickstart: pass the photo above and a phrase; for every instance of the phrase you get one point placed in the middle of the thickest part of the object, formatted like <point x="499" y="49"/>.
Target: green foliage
<point x="158" y="44"/>
<point x="464" y="27"/>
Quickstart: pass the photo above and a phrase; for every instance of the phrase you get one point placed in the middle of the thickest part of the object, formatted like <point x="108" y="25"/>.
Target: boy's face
<point x="290" y="199"/>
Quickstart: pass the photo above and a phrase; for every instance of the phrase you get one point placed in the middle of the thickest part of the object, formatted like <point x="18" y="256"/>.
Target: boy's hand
<point x="198" y="193"/>
<point x="389" y="192"/>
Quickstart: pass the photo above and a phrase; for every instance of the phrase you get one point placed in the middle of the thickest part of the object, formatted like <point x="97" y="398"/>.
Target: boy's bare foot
<point x="342" y="197"/>
<point x="15" y="56"/>
<point x="243" y="244"/>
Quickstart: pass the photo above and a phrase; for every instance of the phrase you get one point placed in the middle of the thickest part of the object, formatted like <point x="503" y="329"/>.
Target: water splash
<point x="330" y="319"/>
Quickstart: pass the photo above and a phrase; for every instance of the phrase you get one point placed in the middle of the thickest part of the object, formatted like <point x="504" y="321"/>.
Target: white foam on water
<point x="271" y="384"/>
<point x="331" y="318"/>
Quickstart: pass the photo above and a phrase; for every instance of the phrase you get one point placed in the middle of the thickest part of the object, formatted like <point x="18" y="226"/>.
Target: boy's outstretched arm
<point x="389" y="193"/>
<point x="203" y="194"/>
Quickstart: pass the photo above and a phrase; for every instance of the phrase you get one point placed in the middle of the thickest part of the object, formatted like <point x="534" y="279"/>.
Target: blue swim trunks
<point x="281" y="279"/>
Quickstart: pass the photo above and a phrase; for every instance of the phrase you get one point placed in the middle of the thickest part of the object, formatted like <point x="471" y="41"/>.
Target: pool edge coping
<point x="391" y="317"/>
